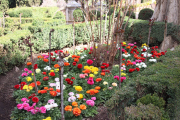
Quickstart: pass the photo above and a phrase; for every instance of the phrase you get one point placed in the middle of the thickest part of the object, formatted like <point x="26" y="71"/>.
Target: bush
<point x="152" y="99"/>
<point x="15" y="12"/>
<point x="59" y="15"/>
<point x="38" y="22"/>
<point x="145" y="14"/>
<point x="78" y="15"/>
<point x="93" y="13"/>
<point x="132" y="15"/>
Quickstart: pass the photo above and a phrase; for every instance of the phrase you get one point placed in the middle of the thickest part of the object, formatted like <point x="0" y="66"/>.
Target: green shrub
<point x="16" y="12"/>
<point x="78" y="15"/>
<point x="1" y="31"/>
<point x="132" y="15"/>
<point x="59" y="15"/>
<point x="38" y="22"/>
<point x="145" y="14"/>
<point x="94" y="13"/>
<point x="152" y="99"/>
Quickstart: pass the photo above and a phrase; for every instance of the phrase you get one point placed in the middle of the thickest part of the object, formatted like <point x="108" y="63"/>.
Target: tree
<point x="4" y="5"/>
<point x="169" y="9"/>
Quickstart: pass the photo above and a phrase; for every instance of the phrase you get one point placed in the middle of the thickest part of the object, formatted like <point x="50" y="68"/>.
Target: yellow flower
<point x="91" y="75"/>
<point x="48" y="118"/>
<point x="51" y="71"/>
<point x="124" y="43"/>
<point x="116" y="65"/>
<point x="123" y="74"/>
<point x="25" y="87"/>
<point x="80" y="96"/>
<point x="32" y="74"/>
<point x="105" y="83"/>
<point x="95" y="73"/>
<point x="28" y="79"/>
<point x="78" y="53"/>
<point x="56" y="70"/>
<point x="27" y="90"/>
<point x="121" y="70"/>
<point x="78" y="88"/>
<point x="86" y="67"/>
<point x="144" y="44"/>
<point x="30" y="87"/>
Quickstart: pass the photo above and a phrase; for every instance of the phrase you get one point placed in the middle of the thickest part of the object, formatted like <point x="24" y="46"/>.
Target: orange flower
<point x="40" y="57"/>
<point x="78" y="57"/>
<point x="75" y="104"/>
<point x="53" y="93"/>
<point x="39" y="91"/>
<point x="98" y="79"/>
<point x="92" y="91"/>
<point x="38" y="83"/>
<point x="73" y="56"/>
<point x="76" y="60"/>
<point x="56" y="66"/>
<point x="68" y="108"/>
<point x="122" y="64"/>
<point x="29" y="63"/>
<point x="51" y="89"/>
<point x="128" y="47"/>
<point x="66" y="64"/>
<point x="96" y="91"/>
<point x="32" y="84"/>
<point x="82" y="107"/>
<point x="103" y="73"/>
<point x="97" y="88"/>
<point x="58" y="90"/>
<point x="46" y="88"/>
<point x="76" y="111"/>
<point x="86" y="71"/>
<point x="43" y="91"/>
<point x="45" y="60"/>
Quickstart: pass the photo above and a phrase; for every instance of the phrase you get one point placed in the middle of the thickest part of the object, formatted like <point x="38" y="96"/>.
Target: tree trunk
<point x="169" y="8"/>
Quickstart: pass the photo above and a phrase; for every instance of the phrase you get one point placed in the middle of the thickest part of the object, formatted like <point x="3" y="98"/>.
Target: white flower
<point x="72" y="99"/>
<point x="64" y="87"/>
<point x="114" y="84"/>
<point x="126" y="55"/>
<point x="65" y="75"/>
<point x="152" y="60"/>
<point x="65" y="59"/>
<point x="145" y="53"/>
<point x="47" y="68"/>
<point x="105" y="83"/>
<point x="38" y="70"/>
<point x="71" y="94"/>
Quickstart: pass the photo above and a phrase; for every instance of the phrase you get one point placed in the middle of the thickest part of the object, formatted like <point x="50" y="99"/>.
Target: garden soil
<point x="7" y="102"/>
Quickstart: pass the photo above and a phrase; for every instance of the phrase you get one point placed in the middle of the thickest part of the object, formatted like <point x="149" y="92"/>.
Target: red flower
<point x="73" y="78"/>
<point x="144" y="50"/>
<point x="123" y="59"/>
<point x="103" y="70"/>
<point x="17" y="86"/>
<point x="45" y="78"/>
<point x="70" y="82"/>
<point x="134" y="47"/>
<point x="107" y="71"/>
<point x="89" y="52"/>
<point x="142" y="55"/>
<point x="152" y="48"/>
<point x="74" y="63"/>
<point x="102" y="67"/>
<point x="131" y="70"/>
<point x="23" y="83"/>
<point x="85" y="48"/>
<point x="51" y="54"/>
<point x="35" y="99"/>
<point x="107" y="65"/>
<point x="143" y="59"/>
<point x="137" y="69"/>
<point x="163" y="53"/>
<point x="53" y="59"/>
<point x="30" y="97"/>
<point x="156" y="47"/>
<point x="44" y="73"/>
<point x="67" y="79"/>
<point x="79" y="66"/>
<point x="131" y="52"/>
<point x="104" y="63"/>
<point x="52" y="74"/>
<point x="35" y="66"/>
<point x="137" y="52"/>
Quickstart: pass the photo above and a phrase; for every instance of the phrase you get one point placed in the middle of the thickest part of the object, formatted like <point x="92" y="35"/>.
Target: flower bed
<point x="85" y="85"/>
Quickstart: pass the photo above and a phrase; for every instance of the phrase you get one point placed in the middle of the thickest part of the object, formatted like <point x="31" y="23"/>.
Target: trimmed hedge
<point x="78" y="15"/>
<point x="145" y="14"/>
<point x="15" y="12"/>
<point x="13" y="52"/>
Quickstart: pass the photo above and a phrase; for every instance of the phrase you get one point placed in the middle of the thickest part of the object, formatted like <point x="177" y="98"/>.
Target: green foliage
<point x="78" y="15"/>
<point x="95" y="14"/>
<point x="139" y="30"/>
<point x="28" y="3"/>
<point x="59" y="15"/>
<point x="143" y="112"/>
<point x="132" y="15"/>
<point x="16" y="12"/>
<point x="145" y="14"/>
<point x="38" y="22"/>
<point x="152" y="99"/>
<point x="4" y="5"/>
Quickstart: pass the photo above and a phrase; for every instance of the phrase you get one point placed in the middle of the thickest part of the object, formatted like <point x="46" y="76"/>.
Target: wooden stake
<point x="120" y="62"/>
<point x="73" y="38"/>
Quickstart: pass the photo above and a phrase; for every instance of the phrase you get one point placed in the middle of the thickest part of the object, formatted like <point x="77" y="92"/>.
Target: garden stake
<point x="120" y="60"/>
<point x="73" y="38"/>
<point x="52" y="30"/>
<point x="151" y="23"/>
<point x="61" y="68"/>
<point x="27" y="42"/>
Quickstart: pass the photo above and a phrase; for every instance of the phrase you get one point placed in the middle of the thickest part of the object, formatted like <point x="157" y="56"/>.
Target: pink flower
<point x="90" y="81"/>
<point x="34" y="104"/>
<point x="26" y="106"/>
<point x="123" y="78"/>
<point x="133" y="63"/>
<point x="25" y="69"/>
<point x="84" y="99"/>
<point x="20" y="106"/>
<point x="89" y="62"/>
<point x="29" y="71"/>
<point x="86" y="74"/>
<point x="42" y="109"/>
<point x="24" y="74"/>
<point x="30" y="108"/>
<point x="81" y="75"/>
<point x="131" y="44"/>
<point x="138" y="61"/>
<point x="24" y="100"/>
<point x="110" y="88"/>
<point x="34" y="111"/>
<point x="90" y="103"/>
<point x="116" y="77"/>
<point x="123" y="49"/>
<point x="93" y="98"/>
<point x="123" y="68"/>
